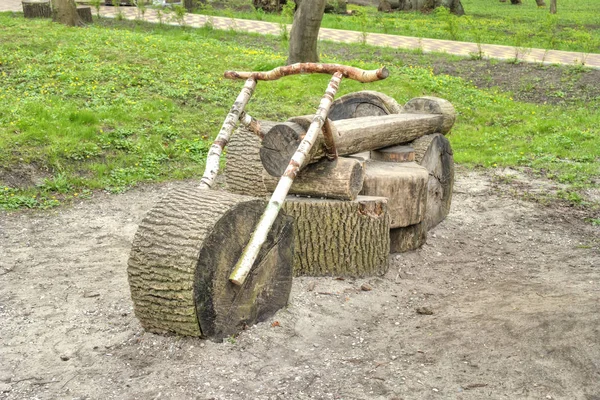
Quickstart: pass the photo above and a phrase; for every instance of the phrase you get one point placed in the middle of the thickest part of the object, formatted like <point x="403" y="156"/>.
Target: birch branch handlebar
<point x="356" y="74"/>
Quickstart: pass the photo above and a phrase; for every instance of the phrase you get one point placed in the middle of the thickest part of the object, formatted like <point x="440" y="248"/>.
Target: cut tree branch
<point x="356" y="74"/>
<point x="214" y="154"/>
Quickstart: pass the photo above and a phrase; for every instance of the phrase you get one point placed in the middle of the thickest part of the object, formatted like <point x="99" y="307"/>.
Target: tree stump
<point x="183" y="253"/>
<point x="340" y="238"/>
<point x="404" y="185"/>
<point x="36" y="8"/>
<point x="365" y="103"/>
<point x="85" y="13"/>
<point x="435" y="154"/>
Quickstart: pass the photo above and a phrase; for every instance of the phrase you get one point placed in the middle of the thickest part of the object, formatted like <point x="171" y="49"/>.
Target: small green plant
<point x="450" y="20"/>
<point x="160" y="15"/>
<point x="179" y="14"/>
<point x="141" y="8"/>
<point x="96" y="4"/>
<point x="118" y="12"/>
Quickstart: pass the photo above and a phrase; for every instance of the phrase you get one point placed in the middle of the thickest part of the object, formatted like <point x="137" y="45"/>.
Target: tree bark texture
<point x="455" y="6"/>
<point x="37" y="9"/>
<point x="214" y="154"/>
<point x="341" y="179"/>
<point x="400" y="153"/>
<point x="243" y="168"/>
<point x="85" y="13"/>
<point x="181" y="258"/>
<point x="365" y="103"/>
<point x="354" y="136"/>
<point x="404" y="185"/>
<point x="65" y="12"/>
<point x="435" y="154"/>
<point x="305" y="31"/>
<point x="339" y="238"/>
<point x="408" y="238"/>
<point x="552" y="6"/>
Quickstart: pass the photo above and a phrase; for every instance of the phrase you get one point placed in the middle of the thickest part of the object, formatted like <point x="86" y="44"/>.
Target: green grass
<point x="110" y="107"/>
<point x="576" y="26"/>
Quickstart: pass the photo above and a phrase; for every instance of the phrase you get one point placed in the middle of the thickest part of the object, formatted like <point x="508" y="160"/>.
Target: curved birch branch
<point x="244" y="265"/>
<point x="356" y="74"/>
<point x="214" y="154"/>
<point x="251" y="123"/>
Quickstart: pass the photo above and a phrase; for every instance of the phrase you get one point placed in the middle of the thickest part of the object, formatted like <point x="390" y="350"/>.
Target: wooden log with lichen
<point x="339" y="238"/>
<point x="182" y="255"/>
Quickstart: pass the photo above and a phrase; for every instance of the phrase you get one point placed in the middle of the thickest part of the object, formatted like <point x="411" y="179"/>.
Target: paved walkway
<point x="375" y="39"/>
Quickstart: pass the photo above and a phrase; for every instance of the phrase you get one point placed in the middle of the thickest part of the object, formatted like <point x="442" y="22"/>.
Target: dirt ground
<point x="513" y="288"/>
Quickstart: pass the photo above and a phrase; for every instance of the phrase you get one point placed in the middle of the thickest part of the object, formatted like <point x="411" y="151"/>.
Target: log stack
<point x="390" y="185"/>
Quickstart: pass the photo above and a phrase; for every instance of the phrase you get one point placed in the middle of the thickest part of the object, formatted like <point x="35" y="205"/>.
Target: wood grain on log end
<point x="404" y="185"/>
<point x="182" y="254"/>
<point x="408" y="238"/>
<point x="400" y="153"/>
<point x="340" y="238"/>
<point x="433" y="105"/>
<point x="279" y="145"/>
<point x="365" y="103"/>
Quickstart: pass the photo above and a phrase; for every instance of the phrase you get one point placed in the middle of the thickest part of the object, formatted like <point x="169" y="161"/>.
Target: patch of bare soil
<point x="502" y="302"/>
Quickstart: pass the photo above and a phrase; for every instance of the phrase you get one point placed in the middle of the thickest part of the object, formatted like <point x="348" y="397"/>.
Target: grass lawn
<point x="107" y="107"/>
<point x="576" y="26"/>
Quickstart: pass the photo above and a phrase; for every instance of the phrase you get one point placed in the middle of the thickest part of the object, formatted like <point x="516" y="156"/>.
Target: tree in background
<point x="65" y="12"/>
<point x="305" y="31"/>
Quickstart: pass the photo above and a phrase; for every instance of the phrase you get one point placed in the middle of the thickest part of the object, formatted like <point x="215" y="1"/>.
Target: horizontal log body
<point x="353" y="136"/>
<point x="340" y="179"/>
<point x="404" y="185"/>
<point x="339" y="238"/>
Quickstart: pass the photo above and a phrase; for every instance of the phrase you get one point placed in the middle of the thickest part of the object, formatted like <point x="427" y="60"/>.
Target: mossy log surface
<point x="243" y="167"/>
<point x="340" y="238"/>
<point x="181" y="258"/>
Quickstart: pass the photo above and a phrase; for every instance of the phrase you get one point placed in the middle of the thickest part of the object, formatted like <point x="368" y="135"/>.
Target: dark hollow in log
<point x="36" y="9"/>
<point x="341" y="179"/>
<point x="408" y="238"/>
<point x="404" y="185"/>
<point x="435" y="154"/>
<point x="85" y="13"/>
<point x="353" y="136"/>
<point x="340" y="238"/>
<point x="243" y="168"/>
<point x="433" y="105"/>
<point x="365" y="103"/>
<point x="183" y="253"/>
<point x="401" y="153"/>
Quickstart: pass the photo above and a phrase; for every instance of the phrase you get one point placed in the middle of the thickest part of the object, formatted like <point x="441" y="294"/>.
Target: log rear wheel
<point x="183" y="253"/>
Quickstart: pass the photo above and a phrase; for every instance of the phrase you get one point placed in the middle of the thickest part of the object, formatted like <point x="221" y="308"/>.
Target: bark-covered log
<point x="243" y="168"/>
<point x="37" y="8"/>
<point x="408" y="238"/>
<point x="433" y="105"/>
<point x="365" y="103"/>
<point x="340" y="238"/>
<point x="435" y="154"/>
<point x="341" y="179"/>
<point x="354" y="136"/>
<point x="182" y="255"/>
<point x="400" y="153"/>
<point x="85" y="13"/>
<point x="404" y="185"/>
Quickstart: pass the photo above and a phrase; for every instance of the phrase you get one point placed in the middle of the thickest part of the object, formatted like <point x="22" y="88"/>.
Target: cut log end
<point x="365" y="103"/>
<point x="183" y="253"/>
<point x="279" y="145"/>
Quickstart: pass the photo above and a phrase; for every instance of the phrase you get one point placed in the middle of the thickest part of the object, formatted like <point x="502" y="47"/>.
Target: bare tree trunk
<point x="540" y="3"/>
<point x="305" y="31"/>
<point x="552" y="6"/>
<point x="65" y="12"/>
